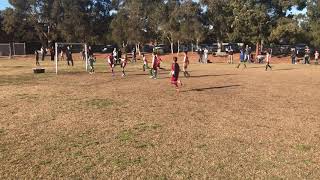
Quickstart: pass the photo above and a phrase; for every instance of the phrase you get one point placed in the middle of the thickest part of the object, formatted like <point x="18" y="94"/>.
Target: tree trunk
<point x="197" y="44"/>
<point x="261" y="45"/>
<point x="171" y="47"/>
<point x="178" y="47"/>
<point x="219" y="46"/>
<point x="257" y="49"/>
<point x="139" y="49"/>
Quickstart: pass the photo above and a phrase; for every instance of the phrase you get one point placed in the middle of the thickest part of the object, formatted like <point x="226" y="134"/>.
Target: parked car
<point x="108" y="48"/>
<point x="147" y="48"/>
<point x="162" y="49"/>
<point x="235" y="47"/>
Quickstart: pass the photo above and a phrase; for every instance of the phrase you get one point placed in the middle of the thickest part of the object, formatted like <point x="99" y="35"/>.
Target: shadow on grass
<point x="211" y="88"/>
<point x="215" y="75"/>
<point x="287" y="69"/>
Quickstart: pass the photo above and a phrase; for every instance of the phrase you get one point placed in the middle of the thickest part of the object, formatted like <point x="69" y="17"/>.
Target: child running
<point x="186" y="63"/>
<point x="242" y="59"/>
<point x="145" y="63"/>
<point x="154" y="70"/>
<point x="92" y="60"/>
<point x="124" y="64"/>
<point x="268" y="60"/>
<point x="110" y="60"/>
<point x="175" y="70"/>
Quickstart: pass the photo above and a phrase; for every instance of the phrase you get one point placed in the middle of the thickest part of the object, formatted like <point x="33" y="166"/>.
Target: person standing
<point x="36" y="53"/>
<point x="200" y="55"/>
<point x="69" y="56"/>
<point x="316" y="57"/>
<point x="175" y="70"/>
<point x="205" y="55"/>
<point x="242" y="59"/>
<point x="230" y="55"/>
<point x="268" y="60"/>
<point x="43" y="53"/>
<point x="293" y="55"/>
<point x="307" y="56"/>
<point x="248" y="54"/>
<point x="120" y="55"/>
<point x="186" y="63"/>
<point x="52" y="53"/>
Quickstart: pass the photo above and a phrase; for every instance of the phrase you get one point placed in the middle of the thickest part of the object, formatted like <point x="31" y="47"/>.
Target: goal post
<point x="19" y="49"/>
<point x="79" y="47"/>
<point x="5" y="50"/>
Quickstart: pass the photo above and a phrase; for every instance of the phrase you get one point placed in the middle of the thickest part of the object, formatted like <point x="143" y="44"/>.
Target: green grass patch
<point x="122" y="161"/>
<point x="303" y="147"/>
<point x="100" y="103"/>
<point x="125" y="136"/>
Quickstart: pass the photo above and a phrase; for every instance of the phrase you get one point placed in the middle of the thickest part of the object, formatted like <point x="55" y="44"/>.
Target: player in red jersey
<point x="110" y="60"/>
<point x="175" y="70"/>
<point x="124" y="64"/>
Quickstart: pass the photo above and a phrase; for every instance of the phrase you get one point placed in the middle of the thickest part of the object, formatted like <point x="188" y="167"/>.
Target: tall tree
<point x="219" y="17"/>
<point x="314" y="21"/>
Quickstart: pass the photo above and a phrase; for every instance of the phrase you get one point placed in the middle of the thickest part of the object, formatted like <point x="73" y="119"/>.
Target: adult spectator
<point x="293" y="55"/>
<point x="205" y="55"/>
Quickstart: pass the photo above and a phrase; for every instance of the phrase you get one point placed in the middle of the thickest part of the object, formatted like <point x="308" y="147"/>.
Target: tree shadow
<point x="211" y="88"/>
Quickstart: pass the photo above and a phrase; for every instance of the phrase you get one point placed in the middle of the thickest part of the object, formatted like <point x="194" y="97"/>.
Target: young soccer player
<point x="115" y="56"/>
<point x="230" y="55"/>
<point x="175" y="70"/>
<point x="92" y="60"/>
<point x="36" y="53"/>
<point x="242" y="59"/>
<point x="316" y="57"/>
<point x="268" y="60"/>
<point x="124" y="64"/>
<point x="154" y="70"/>
<point x="69" y="56"/>
<point x="307" y="56"/>
<point x="145" y="63"/>
<point x="186" y="63"/>
<point x="110" y="60"/>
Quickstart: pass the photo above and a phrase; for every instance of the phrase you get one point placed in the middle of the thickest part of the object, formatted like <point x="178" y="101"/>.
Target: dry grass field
<point x="226" y="123"/>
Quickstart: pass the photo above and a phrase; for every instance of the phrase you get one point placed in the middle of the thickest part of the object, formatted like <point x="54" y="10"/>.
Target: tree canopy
<point x="164" y="21"/>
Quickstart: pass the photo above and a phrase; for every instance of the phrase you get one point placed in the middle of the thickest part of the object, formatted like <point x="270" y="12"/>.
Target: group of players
<point x="153" y="69"/>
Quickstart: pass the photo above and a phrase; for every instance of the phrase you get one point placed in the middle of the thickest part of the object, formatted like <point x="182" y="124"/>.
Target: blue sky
<point x="4" y="4"/>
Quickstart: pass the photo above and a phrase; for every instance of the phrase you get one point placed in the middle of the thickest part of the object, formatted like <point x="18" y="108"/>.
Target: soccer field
<point x="226" y="123"/>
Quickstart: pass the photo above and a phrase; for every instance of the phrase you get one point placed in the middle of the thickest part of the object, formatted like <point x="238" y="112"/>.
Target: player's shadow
<point x="213" y="75"/>
<point x="287" y="69"/>
<point x="211" y="88"/>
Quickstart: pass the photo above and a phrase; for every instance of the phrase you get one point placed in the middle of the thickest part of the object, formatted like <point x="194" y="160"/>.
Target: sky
<point x="4" y="4"/>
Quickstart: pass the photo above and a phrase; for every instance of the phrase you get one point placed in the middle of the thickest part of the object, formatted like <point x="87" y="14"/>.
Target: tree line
<point x="161" y="21"/>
